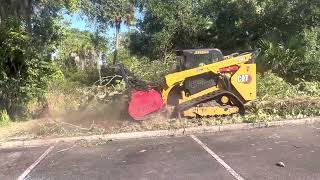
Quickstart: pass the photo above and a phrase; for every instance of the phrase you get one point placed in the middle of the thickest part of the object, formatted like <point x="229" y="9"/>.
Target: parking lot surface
<point x="251" y="154"/>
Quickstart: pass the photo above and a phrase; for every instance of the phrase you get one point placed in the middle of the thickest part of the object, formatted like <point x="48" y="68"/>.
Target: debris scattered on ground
<point x="98" y="142"/>
<point x="66" y="149"/>
<point x="298" y="147"/>
<point x="103" y="119"/>
<point x="281" y="164"/>
<point x="142" y="151"/>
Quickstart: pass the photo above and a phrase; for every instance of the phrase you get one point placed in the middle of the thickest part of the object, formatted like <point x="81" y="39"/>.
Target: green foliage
<point x="296" y="59"/>
<point x="278" y="58"/>
<point x="4" y="118"/>
<point x="23" y="72"/>
<point x="144" y="68"/>
<point x="270" y="86"/>
<point x="110" y="12"/>
<point x="278" y="99"/>
<point x="287" y="31"/>
<point x="228" y="25"/>
<point x="75" y="41"/>
<point x="82" y="71"/>
<point x="86" y="77"/>
<point x="76" y="63"/>
<point x="311" y="65"/>
<point x="280" y="109"/>
<point x="309" y="88"/>
<point x="57" y="75"/>
<point x="168" y="25"/>
<point x="312" y="39"/>
<point x="28" y="39"/>
<point x="80" y="49"/>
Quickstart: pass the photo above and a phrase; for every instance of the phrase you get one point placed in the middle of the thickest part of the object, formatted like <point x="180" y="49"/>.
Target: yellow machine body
<point x="242" y="76"/>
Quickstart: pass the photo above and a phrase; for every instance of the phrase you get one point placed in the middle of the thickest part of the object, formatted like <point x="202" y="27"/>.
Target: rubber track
<point x="184" y="106"/>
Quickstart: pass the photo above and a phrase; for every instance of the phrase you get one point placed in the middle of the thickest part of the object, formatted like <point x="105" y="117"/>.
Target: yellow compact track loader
<point x="207" y="83"/>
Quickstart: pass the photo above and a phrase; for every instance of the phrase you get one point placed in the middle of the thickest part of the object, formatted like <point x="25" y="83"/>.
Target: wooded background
<point x="41" y="55"/>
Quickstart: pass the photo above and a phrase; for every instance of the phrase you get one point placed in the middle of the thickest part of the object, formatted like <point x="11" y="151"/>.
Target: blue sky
<point x="77" y="22"/>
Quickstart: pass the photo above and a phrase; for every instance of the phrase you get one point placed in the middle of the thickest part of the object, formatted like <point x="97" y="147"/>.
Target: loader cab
<point x="194" y="58"/>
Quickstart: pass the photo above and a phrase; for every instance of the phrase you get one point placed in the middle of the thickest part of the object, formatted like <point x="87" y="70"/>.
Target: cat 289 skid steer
<point x="207" y="83"/>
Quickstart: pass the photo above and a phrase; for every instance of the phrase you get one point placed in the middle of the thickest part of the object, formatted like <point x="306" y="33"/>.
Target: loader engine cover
<point x="143" y="103"/>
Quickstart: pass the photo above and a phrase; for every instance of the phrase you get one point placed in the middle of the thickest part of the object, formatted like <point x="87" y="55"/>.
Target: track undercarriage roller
<point x="210" y="111"/>
<point x="217" y="104"/>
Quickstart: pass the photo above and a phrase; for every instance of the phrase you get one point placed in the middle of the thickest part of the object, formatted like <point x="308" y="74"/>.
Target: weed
<point x="4" y="118"/>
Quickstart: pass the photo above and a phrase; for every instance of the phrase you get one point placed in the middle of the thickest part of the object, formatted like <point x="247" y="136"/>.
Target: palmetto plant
<point x="277" y="57"/>
<point x="293" y="59"/>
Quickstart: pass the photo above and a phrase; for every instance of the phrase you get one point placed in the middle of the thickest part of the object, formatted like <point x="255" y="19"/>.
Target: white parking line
<point x="30" y="168"/>
<point x="216" y="157"/>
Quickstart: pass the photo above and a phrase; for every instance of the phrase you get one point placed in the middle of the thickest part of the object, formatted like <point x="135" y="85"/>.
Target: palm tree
<point x="112" y="13"/>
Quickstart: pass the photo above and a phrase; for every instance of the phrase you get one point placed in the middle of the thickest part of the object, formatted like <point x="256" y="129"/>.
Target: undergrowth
<point x="278" y="99"/>
<point x="272" y="87"/>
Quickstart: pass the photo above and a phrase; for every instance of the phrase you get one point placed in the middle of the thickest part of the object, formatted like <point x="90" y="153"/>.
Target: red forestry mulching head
<point x="144" y="99"/>
<point x="144" y="102"/>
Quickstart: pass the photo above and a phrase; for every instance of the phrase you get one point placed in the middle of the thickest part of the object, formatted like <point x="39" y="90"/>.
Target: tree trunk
<point x="117" y="42"/>
<point x="28" y="16"/>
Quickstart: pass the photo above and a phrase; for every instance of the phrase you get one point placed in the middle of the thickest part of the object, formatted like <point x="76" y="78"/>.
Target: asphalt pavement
<point x="247" y="154"/>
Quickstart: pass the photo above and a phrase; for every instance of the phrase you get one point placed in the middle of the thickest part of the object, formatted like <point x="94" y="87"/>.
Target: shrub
<point x="312" y="55"/>
<point x="270" y="86"/>
<point x="296" y="57"/>
<point x="84" y="77"/>
<point x="4" y="118"/>
<point x="277" y="58"/>
<point x="290" y="108"/>
<point x="65" y="95"/>
<point x="309" y="88"/>
<point x="24" y="69"/>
